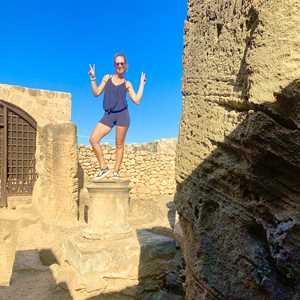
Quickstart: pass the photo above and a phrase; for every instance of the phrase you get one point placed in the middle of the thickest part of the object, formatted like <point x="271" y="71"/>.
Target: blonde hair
<point x="122" y="55"/>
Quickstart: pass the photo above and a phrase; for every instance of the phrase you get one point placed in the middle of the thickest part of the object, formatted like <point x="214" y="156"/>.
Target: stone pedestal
<point x="110" y="256"/>
<point x="8" y="243"/>
<point x="108" y="209"/>
<point x="110" y="266"/>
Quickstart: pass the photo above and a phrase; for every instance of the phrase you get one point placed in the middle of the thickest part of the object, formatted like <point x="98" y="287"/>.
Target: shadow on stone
<point x="33" y="280"/>
<point x="171" y="213"/>
<point x="239" y="209"/>
<point x="111" y="257"/>
<point x="158" y="278"/>
<point x="47" y="257"/>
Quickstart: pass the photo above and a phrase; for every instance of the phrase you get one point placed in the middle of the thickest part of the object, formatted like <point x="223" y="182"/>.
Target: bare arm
<point x="136" y="97"/>
<point x="97" y="90"/>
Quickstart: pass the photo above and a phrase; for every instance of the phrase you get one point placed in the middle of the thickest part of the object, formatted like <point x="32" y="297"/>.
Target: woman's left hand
<point x="143" y="78"/>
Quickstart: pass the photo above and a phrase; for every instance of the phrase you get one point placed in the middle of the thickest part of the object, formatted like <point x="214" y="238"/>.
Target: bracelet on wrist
<point x="93" y="78"/>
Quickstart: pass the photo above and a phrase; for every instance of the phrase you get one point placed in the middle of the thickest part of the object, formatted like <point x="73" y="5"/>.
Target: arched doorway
<point x="17" y="152"/>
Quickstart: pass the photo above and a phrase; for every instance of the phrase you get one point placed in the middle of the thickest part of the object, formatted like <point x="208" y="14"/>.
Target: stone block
<point x="8" y="243"/>
<point x="138" y="256"/>
<point x="111" y="258"/>
<point x="156" y="253"/>
<point x="108" y="209"/>
<point x="55" y="193"/>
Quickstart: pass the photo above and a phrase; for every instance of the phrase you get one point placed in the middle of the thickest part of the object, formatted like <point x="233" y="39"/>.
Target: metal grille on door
<point x="17" y="151"/>
<point x="21" y="150"/>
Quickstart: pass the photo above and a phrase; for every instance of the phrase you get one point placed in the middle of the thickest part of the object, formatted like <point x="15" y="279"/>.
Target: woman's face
<point x="120" y="65"/>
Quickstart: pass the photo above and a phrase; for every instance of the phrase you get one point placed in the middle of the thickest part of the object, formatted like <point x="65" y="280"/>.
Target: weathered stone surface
<point x="273" y="49"/>
<point x="237" y="160"/>
<point x="109" y="248"/>
<point x="44" y="106"/>
<point x="84" y="200"/>
<point x="8" y="243"/>
<point x="164" y="296"/>
<point x="150" y="167"/>
<point x="108" y="258"/>
<point x="40" y="258"/>
<point x="144" y="258"/>
<point x="156" y="253"/>
<point x="108" y="207"/>
<point x="55" y="193"/>
<point x="153" y="213"/>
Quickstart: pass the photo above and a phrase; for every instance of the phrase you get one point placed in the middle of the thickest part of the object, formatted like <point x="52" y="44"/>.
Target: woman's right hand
<point x="92" y="70"/>
<point x="143" y="78"/>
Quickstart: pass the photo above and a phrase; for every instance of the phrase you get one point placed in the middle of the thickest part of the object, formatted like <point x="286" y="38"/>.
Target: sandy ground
<point x="38" y="248"/>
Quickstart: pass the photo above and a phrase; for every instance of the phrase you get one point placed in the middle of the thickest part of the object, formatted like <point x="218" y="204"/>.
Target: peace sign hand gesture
<point x="92" y="71"/>
<point x="143" y="78"/>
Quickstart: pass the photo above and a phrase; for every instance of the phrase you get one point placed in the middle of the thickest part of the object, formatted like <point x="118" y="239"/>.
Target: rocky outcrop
<point x="237" y="160"/>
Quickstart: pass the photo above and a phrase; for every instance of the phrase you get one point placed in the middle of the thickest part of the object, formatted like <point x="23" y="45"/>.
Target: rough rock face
<point x="238" y="156"/>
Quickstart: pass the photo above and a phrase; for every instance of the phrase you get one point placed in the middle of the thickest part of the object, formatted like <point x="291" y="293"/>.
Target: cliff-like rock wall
<point x="238" y="154"/>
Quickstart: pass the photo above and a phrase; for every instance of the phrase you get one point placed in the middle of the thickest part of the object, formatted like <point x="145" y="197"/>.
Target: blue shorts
<point x="119" y="119"/>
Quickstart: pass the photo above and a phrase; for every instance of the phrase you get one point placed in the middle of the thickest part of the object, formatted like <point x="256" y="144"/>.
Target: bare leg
<point x="98" y="133"/>
<point x="120" y="140"/>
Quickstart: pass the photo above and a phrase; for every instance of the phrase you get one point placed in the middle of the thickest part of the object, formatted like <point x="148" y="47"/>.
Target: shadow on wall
<point x="84" y="210"/>
<point x="239" y="209"/>
<point x="242" y="81"/>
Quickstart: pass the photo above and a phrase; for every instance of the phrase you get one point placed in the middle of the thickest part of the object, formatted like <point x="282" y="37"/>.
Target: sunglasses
<point x="120" y="63"/>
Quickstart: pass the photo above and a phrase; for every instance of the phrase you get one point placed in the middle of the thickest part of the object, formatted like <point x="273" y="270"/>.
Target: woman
<point x="116" y="113"/>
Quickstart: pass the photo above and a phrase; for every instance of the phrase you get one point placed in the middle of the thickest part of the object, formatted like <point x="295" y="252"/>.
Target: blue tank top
<point x="114" y="96"/>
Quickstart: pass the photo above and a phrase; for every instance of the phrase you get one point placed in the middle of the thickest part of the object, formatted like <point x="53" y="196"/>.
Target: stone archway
<point x="17" y="152"/>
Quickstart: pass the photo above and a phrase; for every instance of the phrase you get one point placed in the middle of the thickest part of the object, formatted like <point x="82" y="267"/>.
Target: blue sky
<point x="49" y="45"/>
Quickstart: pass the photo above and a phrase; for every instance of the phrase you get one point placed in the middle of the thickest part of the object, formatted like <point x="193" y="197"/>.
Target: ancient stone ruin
<point x="238" y="155"/>
<point x="236" y="168"/>
<point x="63" y="236"/>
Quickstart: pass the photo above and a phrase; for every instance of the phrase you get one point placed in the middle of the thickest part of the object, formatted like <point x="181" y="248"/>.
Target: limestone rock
<point x="273" y="55"/>
<point x="55" y="193"/>
<point x="8" y="243"/>
<point x="164" y="296"/>
<point x="237" y="159"/>
<point x="55" y="106"/>
<point x="143" y="258"/>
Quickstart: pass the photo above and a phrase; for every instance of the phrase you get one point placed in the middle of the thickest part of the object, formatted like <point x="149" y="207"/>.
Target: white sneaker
<point x="115" y="175"/>
<point x="101" y="174"/>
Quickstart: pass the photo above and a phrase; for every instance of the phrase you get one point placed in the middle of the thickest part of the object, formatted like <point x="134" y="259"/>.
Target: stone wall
<point x="45" y="107"/>
<point x="237" y="159"/>
<point x="55" y="194"/>
<point x="8" y="238"/>
<point x="42" y="105"/>
<point x="150" y="167"/>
